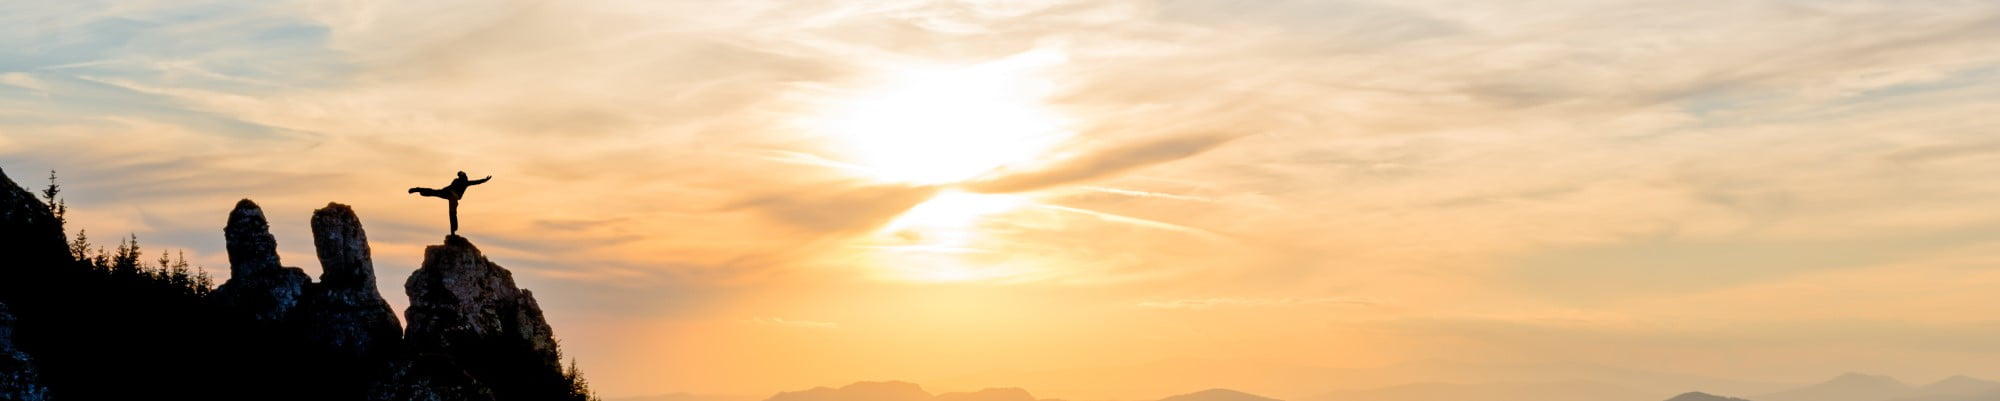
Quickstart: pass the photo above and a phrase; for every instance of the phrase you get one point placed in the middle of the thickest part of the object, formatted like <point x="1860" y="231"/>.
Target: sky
<point x="1095" y="200"/>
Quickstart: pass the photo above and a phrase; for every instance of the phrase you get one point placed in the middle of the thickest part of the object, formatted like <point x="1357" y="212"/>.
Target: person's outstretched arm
<point x="478" y="181"/>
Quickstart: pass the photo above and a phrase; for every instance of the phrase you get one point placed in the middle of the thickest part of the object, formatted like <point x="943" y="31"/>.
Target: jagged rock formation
<point x="18" y="380"/>
<point x="472" y="335"/>
<point x="257" y="284"/>
<point x="345" y="314"/>
<point x="459" y="298"/>
<point x="466" y="309"/>
<point x="345" y="322"/>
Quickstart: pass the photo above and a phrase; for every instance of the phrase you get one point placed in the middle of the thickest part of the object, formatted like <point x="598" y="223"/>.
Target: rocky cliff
<point x="472" y="334"/>
<point x="258" y="286"/>
<point x="459" y="299"/>
<point x="466" y="311"/>
<point x="345" y="313"/>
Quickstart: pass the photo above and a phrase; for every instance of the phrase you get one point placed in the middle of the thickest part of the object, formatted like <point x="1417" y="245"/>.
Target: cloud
<point x="1231" y="303"/>
<point x="1134" y="221"/>
<point x="1096" y="164"/>
<point x="839" y="209"/>
<point x="802" y="324"/>
<point x="25" y="81"/>
<point x="1147" y="194"/>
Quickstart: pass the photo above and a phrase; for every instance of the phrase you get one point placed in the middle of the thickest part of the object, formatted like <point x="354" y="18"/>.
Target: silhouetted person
<point x="452" y="193"/>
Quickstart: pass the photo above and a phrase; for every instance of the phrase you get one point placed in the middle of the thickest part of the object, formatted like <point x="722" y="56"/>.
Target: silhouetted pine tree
<point x="56" y="206"/>
<point x="79" y="249"/>
<point x="125" y="264"/>
<point x="579" y="388"/>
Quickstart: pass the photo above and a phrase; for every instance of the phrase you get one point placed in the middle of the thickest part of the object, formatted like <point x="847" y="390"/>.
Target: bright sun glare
<point x="937" y="240"/>
<point x="938" y="126"/>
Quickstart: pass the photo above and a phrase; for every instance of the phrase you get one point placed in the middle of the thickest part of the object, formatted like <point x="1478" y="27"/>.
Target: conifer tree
<point x="56" y="206"/>
<point x="79" y="248"/>
<point x="125" y="263"/>
<point x="579" y="388"/>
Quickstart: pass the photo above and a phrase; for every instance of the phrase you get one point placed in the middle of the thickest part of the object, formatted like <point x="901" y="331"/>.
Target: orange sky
<point x="1091" y="199"/>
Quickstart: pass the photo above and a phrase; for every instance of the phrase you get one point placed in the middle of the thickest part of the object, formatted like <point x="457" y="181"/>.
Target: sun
<point x="934" y="125"/>
<point x="938" y="125"/>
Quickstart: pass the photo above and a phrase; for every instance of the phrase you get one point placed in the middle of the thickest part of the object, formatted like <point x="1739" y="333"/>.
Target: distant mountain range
<point x="1957" y="386"/>
<point x="1701" y="396"/>
<point x="906" y="391"/>
<point x="868" y="391"/>
<point x="688" y="397"/>
<point x="1846" y="387"/>
<point x="1862" y="387"/>
<point x="1528" y="391"/>
<point x="1218" y="394"/>
<point x="1303" y="382"/>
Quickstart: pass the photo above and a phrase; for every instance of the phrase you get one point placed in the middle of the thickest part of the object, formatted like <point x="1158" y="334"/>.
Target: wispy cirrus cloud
<point x="1230" y="303"/>
<point x="801" y="324"/>
<point x="1098" y="163"/>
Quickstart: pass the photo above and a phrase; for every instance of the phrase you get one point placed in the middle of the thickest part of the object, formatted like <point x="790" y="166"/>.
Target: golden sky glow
<point x="1093" y="200"/>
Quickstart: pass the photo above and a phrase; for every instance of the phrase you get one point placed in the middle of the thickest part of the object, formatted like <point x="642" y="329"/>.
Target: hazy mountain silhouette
<point x="1218" y="394"/>
<point x="688" y="397"/>
<point x="1956" y="388"/>
<point x="1983" y="396"/>
<point x="906" y="391"/>
<point x="991" y="394"/>
<point x="898" y="391"/>
<point x="1863" y="387"/>
<point x="1846" y="387"/>
<point x="1701" y="396"/>
<point x="1535" y="391"/>
<point x="1309" y="382"/>
<point x="860" y="391"/>
<point x="1130" y="381"/>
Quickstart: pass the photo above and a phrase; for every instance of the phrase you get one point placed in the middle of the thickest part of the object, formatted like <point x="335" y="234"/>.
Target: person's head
<point x="461" y="175"/>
